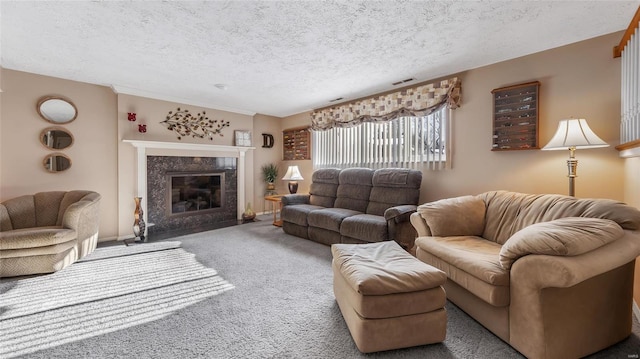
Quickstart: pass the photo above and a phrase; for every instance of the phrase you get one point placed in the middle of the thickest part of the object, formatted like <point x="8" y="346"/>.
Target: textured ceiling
<point x="284" y="57"/>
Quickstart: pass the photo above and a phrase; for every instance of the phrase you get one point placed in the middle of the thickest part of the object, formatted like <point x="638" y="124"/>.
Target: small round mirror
<point x="56" y="162"/>
<point x="57" y="109"/>
<point x="56" y="138"/>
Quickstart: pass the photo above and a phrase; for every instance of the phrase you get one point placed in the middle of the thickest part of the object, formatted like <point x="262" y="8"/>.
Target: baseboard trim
<point x="115" y="238"/>
<point x="636" y="310"/>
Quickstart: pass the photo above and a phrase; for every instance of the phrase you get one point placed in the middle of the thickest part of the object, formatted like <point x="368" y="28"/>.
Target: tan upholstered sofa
<point x="48" y="231"/>
<point x="355" y="205"/>
<point x="549" y="274"/>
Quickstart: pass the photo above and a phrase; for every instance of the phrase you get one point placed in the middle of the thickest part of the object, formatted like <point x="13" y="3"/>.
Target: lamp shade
<point x="293" y="174"/>
<point x="574" y="133"/>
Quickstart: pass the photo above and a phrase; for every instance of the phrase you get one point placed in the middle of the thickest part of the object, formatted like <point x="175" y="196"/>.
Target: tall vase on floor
<point x="138" y="220"/>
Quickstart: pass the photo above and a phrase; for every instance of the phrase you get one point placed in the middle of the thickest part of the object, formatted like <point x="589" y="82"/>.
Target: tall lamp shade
<point x="293" y="176"/>
<point x="573" y="134"/>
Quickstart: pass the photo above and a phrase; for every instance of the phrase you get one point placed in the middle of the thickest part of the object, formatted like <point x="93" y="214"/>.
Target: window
<point x="406" y="142"/>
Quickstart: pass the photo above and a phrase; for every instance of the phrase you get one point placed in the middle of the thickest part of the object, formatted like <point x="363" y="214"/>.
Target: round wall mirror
<point x="56" y="162"/>
<point x="56" y="138"/>
<point x="57" y="109"/>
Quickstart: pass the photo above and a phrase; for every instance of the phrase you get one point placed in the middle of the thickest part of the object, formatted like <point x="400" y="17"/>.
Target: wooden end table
<point x="276" y="200"/>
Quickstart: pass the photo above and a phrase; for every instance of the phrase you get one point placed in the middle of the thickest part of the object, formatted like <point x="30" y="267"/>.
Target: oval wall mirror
<point x="57" y="109"/>
<point x="56" y="162"/>
<point x="56" y="138"/>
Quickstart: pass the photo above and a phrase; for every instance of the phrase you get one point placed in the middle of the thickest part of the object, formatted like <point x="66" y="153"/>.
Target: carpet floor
<point x="248" y="291"/>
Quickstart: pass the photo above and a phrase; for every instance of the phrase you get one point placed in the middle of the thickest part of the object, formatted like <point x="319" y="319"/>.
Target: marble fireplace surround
<point x="158" y="148"/>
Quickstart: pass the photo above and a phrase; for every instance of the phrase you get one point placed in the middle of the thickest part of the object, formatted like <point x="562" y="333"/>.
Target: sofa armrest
<point x="420" y="225"/>
<point x="399" y="213"/>
<point x="552" y="296"/>
<point x="551" y="271"/>
<point x="84" y="217"/>
<point x="569" y="236"/>
<point x="399" y="228"/>
<point x="290" y="199"/>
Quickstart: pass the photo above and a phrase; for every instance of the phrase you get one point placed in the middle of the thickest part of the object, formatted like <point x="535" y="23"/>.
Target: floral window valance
<point x="416" y="101"/>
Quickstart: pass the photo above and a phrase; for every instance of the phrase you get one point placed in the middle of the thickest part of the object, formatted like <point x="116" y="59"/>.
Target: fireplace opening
<point x="195" y="193"/>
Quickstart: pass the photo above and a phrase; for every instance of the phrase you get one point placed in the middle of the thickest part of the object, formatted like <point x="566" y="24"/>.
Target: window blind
<point x="407" y="142"/>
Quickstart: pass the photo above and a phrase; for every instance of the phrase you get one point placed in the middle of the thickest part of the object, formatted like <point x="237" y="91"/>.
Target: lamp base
<point x="293" y="187"/>
<point x="572" y="166"/>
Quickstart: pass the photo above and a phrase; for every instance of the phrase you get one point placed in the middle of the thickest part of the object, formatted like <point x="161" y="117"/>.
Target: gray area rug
<point x="251" y="292"/>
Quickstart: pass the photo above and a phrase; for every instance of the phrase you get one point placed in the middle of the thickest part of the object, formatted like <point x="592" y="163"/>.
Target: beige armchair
<point x="551" y="275"/>
<point x="47" y="231"/>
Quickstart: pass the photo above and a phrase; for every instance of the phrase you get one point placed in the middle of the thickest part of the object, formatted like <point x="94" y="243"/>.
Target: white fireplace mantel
<point x="234" y="151"/>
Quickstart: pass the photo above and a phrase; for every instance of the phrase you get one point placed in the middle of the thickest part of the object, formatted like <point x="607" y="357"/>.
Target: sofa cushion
<point x="393" y="187"/>
<point x="35" y="237"/>
<point x="459" y="216"/>
<point x="329" y="218"/>
<point x="565" y="237"/>
<point x="21" y="211"/>
<point x="354" y="189"/>
<point x="5" y="220"/>
<point x="365" y="227"/>
<point x="472" y="262"/>
<point x="509" y="212"/>
<point x="298" y="213"/>
<point x="47" y="206"/>
<point x="324" y="187"/>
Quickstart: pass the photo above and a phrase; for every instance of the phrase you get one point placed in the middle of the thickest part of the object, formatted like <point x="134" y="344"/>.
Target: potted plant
<point x="269" y="175"/>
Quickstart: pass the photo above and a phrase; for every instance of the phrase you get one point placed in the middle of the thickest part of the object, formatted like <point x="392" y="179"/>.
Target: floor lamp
<point x="574" y="134"/>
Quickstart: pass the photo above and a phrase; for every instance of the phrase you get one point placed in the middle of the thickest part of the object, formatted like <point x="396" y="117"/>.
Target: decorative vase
<point x="271" y="186"/>
<point x="248" y="215"/>
<point x="138" y="220"/>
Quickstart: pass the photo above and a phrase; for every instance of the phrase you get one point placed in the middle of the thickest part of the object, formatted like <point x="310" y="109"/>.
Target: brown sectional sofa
<point x="48" y="231"/>
<point x="355" y="205"/>
<point x="551" y="275"/>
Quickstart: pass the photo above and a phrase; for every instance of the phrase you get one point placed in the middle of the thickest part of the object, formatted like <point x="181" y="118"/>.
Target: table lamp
<point x="573" y="134"/>
<point x="293" y="175"/>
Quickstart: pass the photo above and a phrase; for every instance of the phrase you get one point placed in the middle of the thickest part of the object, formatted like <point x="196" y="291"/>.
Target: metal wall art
<point x="185" y="124"/>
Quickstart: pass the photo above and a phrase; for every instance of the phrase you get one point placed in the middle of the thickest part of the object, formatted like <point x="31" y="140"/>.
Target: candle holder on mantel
<point x="138" y="221"/>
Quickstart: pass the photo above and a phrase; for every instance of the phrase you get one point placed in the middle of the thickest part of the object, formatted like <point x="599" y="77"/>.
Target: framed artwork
<point x="243" y="138"/>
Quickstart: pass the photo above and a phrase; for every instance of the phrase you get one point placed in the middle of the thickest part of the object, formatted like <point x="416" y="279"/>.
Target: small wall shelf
<point x="296" y="144"/>
<point x="515" y="117"/>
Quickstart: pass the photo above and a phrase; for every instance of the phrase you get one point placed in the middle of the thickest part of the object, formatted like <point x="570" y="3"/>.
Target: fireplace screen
<point x="192" y="193"/>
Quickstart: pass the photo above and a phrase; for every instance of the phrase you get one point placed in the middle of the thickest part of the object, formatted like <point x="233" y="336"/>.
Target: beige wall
<point x="580" y="80"/>
<point x="269" y="125"/>
<point x="93" y="153"/>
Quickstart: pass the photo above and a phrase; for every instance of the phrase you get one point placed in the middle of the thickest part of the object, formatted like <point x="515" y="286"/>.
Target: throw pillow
<point x="459" y="216"/>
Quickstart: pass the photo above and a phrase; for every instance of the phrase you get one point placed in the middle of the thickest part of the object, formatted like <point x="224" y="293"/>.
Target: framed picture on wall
<point x="243" y="138"/>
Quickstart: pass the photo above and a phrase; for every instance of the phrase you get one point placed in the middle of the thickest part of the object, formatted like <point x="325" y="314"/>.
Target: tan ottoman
<point x="388" y="298"/>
